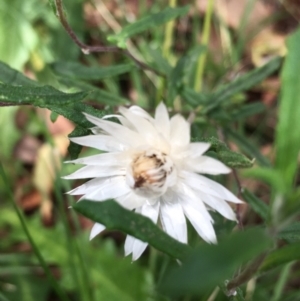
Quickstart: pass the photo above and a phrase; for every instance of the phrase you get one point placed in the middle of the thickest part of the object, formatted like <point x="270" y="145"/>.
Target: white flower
<point x="151" y="166"/>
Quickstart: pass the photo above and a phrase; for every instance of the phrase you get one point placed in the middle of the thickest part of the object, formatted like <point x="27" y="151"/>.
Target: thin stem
<point x="279" y="286"/>
<point x="169" y="33"/>
<point x="87" y="49"/>
<point x="166" y="51"/>
<point x="246" y="275"/>
<point x="204" y="41"/>
<point x="62" y="295"/>
<point x="238" y="206"/>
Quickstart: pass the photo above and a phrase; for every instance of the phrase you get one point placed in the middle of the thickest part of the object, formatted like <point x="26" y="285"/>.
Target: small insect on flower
<point x="150" y="166"/>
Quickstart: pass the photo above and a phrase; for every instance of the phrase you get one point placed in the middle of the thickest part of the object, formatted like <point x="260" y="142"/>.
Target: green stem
<point x="72" y="249"/>
<point x="62" y="295"/>
<point x="81" y="256"/>
<point x="279" y="286"/>
<point x="166" y="50"/>
<point x="204" y="41"/>
<point x="246" y="275"/>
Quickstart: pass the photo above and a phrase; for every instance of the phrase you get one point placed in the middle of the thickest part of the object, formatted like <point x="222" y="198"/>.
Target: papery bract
<point x="151" y="166"/>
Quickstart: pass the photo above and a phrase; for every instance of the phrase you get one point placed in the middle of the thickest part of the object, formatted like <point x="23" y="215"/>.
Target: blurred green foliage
<point x="67" y="82"/>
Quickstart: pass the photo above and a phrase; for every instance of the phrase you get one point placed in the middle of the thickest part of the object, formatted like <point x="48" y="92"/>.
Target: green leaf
<point x="78" y="71"/>
<point x="115" y="217"/>
<point x="75" y="149"/>
<point x="220" y="151"/>
<point x="247" y="146"/>
<point x="209" y="265"/>
<point x="20" y="38"/>
<point x="256" y="204"/>
<point x="176" y="78"/>
<point x="65" y="104"/>
<point x="287" y="141"/>
<point x="281" y="256"/>
<point x="147" y="22"/>
<point x="99" y="95"/>
<point x="156" y="58"/>
<point x="73" y="112"/>
<point x="53" y="116"/>
<point x="9" y="133"/>
<point x="193" y="98"/>
<point x="247" y="110"/>
<point x="291" y="233"/>
<point x="242" y="83"/>
<point x="13" y="77"/>
<point x="38" y="96"/>
<point x="267" y="175"/>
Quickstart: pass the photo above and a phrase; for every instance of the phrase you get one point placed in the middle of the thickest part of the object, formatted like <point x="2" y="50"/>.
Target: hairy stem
<point x="246" y="275"/>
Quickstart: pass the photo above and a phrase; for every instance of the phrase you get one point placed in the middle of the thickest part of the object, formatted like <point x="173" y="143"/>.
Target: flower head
<point x="150" y="166"/>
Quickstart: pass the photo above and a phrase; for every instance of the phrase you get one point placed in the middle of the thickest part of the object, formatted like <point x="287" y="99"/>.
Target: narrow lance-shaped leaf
<point x="287" y="139"/>
<point x="256" y="204"/>
<point x="115" y="217"/>
<point x="13" y="77"/>
<point x="281" y="256"/>
<point x="242" y="83"/>
<point x="147" y="22"/>
<point x="219" y="150"/>
<point x="65" y="104"/>
<point x="291" y="233"/>
<point x="176" y="77"/>
<point x="38" y="96"/>
<point x="247" y="110"/>
<point x="248" y="147"/>
<point x="100" y="95"/>
<point x="78" y="71"/>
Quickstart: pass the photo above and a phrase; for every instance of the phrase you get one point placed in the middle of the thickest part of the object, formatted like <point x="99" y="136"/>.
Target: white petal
<point x="196" y="149"/>
<point x="137" y="247"/>
<point x="203" y="227"/>
<point x="180" y="132"/>
<point x="134" y="246"/>
<point x="146" y="129"/>
<point x="208" y="186"/>
<point x="162" y="121"/>
<point x="142" y="113"/>
<point x="150" y="211"/>
<point x="107" y="159"/>
<point x="198" y="215"/>
<point x="109" y="189"/>
<point x="123" y="120"/>
<point x="128" y="247"/>
<point x="95" y="172"/>
<point x="120" y="132"/>
<point x="101" y="142"/>
<point x="87" y="186"/>
<point x="131" y="201"/>
<point x="219" y="205"/>
<point x="173" y="220"/>
<point x="208" y="165"/>
<point x="97" y="228"/>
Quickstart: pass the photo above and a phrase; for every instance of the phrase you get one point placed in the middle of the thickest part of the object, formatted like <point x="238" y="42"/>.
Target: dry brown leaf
<point x="30" y="201"/>
<point x="48" y="163"/>
<point x="267" y="45"/>
<point x="26" y="149"/>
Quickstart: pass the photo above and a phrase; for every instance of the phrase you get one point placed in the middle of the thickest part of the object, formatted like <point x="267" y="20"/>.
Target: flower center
<point x="153" y="172"/>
